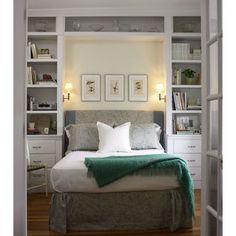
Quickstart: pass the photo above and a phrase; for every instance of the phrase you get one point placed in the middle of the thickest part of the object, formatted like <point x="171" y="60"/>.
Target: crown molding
<point x="180" y="11"/>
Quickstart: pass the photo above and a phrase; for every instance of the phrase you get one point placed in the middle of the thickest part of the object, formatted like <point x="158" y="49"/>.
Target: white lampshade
<point x="68" y="87"/>
<point x="159" y="88"/>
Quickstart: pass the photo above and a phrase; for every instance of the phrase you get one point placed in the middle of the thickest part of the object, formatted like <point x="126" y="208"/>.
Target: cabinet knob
<point x="191" y="160"/>
<point x="37" y="161"/>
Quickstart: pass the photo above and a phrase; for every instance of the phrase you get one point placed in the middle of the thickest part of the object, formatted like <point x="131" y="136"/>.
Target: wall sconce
<point x="68" y="88"/>
<point x="160" y="90"/>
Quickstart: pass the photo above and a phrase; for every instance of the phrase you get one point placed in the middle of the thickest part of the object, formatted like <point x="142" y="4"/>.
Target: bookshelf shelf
<point x="192" y="61"/>
<point x="187" y="86"/>
<point x="42" y="60"/>
<point x="42" y="86"/>
<point x="187" y="111"/>
<point x="187" y="35"/>
<point x="42" y="112"/>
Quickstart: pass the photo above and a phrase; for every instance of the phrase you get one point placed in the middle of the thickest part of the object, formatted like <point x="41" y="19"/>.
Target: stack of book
<point x="44" y="56"/>
<point x="179" y="101"/>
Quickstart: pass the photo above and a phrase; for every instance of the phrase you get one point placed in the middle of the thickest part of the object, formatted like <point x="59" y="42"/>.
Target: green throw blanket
<point x="107" y="170"/>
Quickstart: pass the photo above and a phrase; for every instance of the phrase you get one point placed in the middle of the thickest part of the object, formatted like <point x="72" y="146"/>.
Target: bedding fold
<point x="109" y="169"/>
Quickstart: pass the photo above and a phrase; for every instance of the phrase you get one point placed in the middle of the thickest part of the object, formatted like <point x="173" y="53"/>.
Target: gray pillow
<point x="82" y="137"/>
<point x="145" y="136"/>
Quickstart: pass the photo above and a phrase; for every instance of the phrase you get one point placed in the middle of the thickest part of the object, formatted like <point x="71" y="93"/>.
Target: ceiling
<point x="147" y="4"/>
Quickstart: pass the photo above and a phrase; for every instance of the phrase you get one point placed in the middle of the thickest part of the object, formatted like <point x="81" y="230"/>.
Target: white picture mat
<point x="90" y="87"/>
<point x="138" y="88"/>
<point x="114" y="87"/>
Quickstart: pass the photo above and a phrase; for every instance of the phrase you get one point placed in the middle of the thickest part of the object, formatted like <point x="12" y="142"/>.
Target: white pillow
<point x="113" y="139"/>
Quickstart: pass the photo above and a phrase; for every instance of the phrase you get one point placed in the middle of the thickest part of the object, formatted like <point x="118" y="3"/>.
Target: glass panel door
<point x="211" y="224"/>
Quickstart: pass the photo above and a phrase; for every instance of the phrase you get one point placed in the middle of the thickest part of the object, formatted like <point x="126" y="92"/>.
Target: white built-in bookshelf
<point x="183" y="133"/>
<point x="44" y="76"/>
<point x="44" y="58"/>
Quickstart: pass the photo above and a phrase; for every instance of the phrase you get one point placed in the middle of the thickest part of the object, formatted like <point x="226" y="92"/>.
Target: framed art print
<point x="90" y="87"/>
<point x="138" y="88"/>
<point x="114" y="87"/>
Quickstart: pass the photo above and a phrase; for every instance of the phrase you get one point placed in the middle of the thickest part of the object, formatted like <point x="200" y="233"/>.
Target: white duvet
<point x="70" y="175"/>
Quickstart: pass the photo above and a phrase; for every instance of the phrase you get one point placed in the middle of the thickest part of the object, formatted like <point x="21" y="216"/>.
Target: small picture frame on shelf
<point x="114" y="87"/>
<point x="138" y="88"/>
<point x="90" y="87"/>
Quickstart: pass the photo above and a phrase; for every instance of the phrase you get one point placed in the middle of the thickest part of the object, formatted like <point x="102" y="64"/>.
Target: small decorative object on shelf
<point x="196" y="54"/>
<point x="189" y="27"/>
<point x="115" y="25"/>
<point x="44" y="54"/>
<point x="189" y="76"/>
<point x="96" y="27"/>
<point x="76" y="25"/>
<point x="40" y="26"/>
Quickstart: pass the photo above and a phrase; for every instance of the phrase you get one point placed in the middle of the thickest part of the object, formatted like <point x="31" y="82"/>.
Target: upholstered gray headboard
<point x="118" y="116"/>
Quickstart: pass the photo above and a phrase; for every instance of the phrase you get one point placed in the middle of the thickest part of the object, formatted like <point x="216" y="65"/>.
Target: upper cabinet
<point x="186" y="24"/>
<point x="115" y="24"/>
<point x="42" y="24"/>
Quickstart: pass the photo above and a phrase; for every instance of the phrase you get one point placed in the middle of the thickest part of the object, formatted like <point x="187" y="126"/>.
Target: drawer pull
<point x="191" y="146"/>
<point x="192" y="174"/>
<point x="36" y="147"/>
<point x="191" y="160"/>
<point x="37" y="161"/>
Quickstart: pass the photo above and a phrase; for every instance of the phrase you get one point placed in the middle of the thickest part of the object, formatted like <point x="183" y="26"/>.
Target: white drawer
<point x="187" y="146"/>
<point x="191" y="159"/>
<point x="49" y="160"/>
<point x="42" y="146"/>
<point x="195" y="173"/>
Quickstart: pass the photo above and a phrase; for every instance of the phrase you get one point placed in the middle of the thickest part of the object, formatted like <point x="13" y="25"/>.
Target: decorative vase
<point x="189" y="81"/>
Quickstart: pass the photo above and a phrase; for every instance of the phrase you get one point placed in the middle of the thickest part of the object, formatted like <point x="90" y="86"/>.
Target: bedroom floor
<point x="38" y="206"/>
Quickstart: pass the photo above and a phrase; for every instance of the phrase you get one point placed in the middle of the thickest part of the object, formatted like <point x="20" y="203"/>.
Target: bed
<point x="131" y="202"/>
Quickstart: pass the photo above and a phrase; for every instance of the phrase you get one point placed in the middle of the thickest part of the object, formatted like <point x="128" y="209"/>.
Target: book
<point x="194" y="107"/>
<point x="28" y="51"/>
<point x="34" y="51"/>
<point x="29" y="75"/>
<point x="185" y="100"/>
<point x="175" y="101"/>
<point x="186" y="132"/>
<point x="34" y="77"/>
<point x="41" y="82"/>
<point x="44" y="56"/>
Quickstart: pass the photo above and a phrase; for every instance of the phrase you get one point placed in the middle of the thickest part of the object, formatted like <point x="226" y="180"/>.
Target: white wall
<point x="20" y="218"/>
<point x="119" y="57"/>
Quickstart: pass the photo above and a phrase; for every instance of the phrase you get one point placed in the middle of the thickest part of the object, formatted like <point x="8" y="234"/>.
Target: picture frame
<point x="138" y="87"/>
<point x="114" y="87"/>
<point x="90" y="87"/>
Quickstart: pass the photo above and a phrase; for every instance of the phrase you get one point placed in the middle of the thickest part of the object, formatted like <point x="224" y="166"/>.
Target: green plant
<point x="189" y="73"/>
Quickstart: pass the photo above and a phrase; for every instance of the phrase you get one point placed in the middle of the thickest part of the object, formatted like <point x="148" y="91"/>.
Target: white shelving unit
<point x="184" y="38"/>
<point x="45" y="145"/>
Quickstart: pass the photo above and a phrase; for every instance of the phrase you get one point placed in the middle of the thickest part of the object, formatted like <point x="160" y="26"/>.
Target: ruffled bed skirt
<point x="119" y="211"/>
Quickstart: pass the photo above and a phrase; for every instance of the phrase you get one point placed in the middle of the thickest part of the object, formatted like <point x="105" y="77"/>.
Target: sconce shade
<point x="68" y="87"/>
<point x="159" y="88"/>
